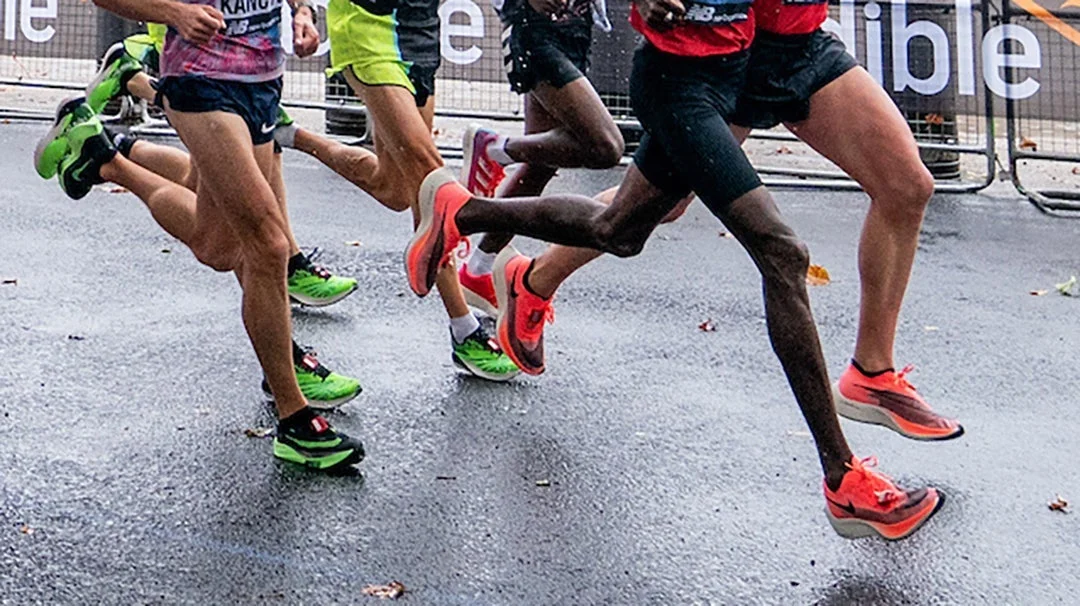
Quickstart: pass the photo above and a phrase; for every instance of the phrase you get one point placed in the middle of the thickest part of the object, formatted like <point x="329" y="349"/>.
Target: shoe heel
<point x="850" y="528"/>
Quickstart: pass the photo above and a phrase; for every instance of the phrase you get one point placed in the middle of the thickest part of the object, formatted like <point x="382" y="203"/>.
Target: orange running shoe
<point x="480" y="173"/>
<point x="479" y="290"/>
<point x="868" y="502"/>
<point x="437" y="235"/>
<point x="522" y="314"/>
<point x="888" y="399"/>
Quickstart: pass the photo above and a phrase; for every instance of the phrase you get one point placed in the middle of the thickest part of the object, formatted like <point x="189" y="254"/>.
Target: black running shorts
<point x="684" y="105"/>
<point x="784" y="72"/>
<point x="257" y="103"/>
<point x="535" y="52"/>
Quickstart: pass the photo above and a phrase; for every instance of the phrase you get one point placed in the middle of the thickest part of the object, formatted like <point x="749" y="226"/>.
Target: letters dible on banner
<point x="887" y="32"/>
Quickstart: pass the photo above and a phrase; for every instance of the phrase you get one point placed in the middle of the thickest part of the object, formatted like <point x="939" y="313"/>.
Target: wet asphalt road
<point x="679" y="468"/>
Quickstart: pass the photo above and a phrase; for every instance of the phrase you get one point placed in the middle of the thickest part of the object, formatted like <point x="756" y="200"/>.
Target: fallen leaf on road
<point x="1026" y="143"/>
<point x="1059" y="504"/>
<point x="258" y="432"/>
<point x="165" y="251"/>
<point x="445" y="477"/>
<point x="724" y="234"/>
<point x="707" y="326"/>
<point x="784" y="150"/>
<point x="817" y="275"/>
<point x="1039" y="293"/>
<point x="1066" y="287"/>
<point x="798" y="433"/>
<point x="543" y="483"/>
<point x="11" y="281"/>
<point x="931" y="328"/>
<point x="354" y="243"/>
<point x="118" y="190"/>
<point x="393" y="591"/>
<point x="26" y="529"/>
<point x="1076" y="170"/>
<point x="76" y="338"/>
<point x="934" y="119"/>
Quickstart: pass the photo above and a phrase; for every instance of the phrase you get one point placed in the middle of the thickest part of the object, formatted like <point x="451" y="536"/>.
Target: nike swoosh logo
<point x="850" y="508"/>
<point x="268" y="128"/>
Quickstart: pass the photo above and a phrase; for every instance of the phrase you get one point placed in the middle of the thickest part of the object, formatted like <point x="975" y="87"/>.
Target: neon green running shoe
<point x="480" y="355"/>
<point x="311" y="442"/>
<point x="88" y="150"/>
<point x="323" y="389"/>
<point x="52" y="148"/>
<point x="315" y="286"/>
<point x="117" y="67"/>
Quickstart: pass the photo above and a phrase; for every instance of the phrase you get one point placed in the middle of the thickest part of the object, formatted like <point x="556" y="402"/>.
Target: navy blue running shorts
<point x="257" y="103"/>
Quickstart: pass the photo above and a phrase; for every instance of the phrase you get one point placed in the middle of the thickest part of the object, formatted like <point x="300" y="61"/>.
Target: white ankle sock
<point x="461" y="328"/>
<point x="496" y="150"/>
<point x="285" y="135"/>
<point x="480" y="263"/>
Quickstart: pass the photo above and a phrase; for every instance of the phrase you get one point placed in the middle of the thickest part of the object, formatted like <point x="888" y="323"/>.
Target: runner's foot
<point x="315" y="286"/>
<point x="307" y="439"/>
<point x="117" y="67"/>
<point x="868" y="502"/>
<point x="88" y="150"/>
<point x="888" y="399"/>
<point x="481" y="355"/>
<point x="323" y="389"/>
<point x="480" y="173"/>
<point x="437" y="235"/>
<point x="52" y="148"/>
<point x="522" y="314"/>
<point x="479" y="290"/>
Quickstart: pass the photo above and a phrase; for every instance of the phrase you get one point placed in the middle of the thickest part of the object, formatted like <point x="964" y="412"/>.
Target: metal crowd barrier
<point x="1043" y="128"/>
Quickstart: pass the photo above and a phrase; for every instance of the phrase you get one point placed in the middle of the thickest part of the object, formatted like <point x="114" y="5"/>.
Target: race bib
<point x="244" y="17"/>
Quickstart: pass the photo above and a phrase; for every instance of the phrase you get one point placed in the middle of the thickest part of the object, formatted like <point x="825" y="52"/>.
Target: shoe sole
<point x="329" y="462"/>
<point x="480" y="373"/>
<point x="49" y="147"/>
<point x="423" y="241"/>
<point x="301" y="299"/>
<point x="103" y="69"/>
<point x="502" y="322"/>
<point x="874" y="415"/>
<point x="324" y="405"/>
<point x="854" y="528"/>
<point x="474" y="299"/>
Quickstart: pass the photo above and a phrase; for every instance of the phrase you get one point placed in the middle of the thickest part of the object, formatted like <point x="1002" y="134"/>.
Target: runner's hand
<point x="199" y="23"/>
<point x="548" y="7"/>
<point x="305" y="35"/>
<point x="661" y="14"/>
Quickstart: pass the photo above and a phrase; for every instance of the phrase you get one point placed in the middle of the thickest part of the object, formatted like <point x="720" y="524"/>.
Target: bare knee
<point x="906" y="195"/>
<point x="266" y="249"/>
<point x="616" y="241"/>
<point x="605" y="150"/>
<point x="784" y="259"/>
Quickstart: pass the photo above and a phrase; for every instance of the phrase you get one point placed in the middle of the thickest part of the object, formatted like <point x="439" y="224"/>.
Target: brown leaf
<point x="393" y="590"/>
<point x="258" y="432"/>
<point x="118" y="190"/>
<point x="725" y="234"/>
<point x="5" y="121"/>
<point x="817" y="275"/>
<point x="353" y="243"/>
<point x="1076" y="170"/>
<point x="784" y="150"/>
<point x="11" y="281"/>
<point x="707" y="326"/>
<point x="1026" y="143"/>
<point x="26" y="529"/>
<point x="1039" y="293"/>
<point x="934" y="119"/>
<point x="1059" y="504"/>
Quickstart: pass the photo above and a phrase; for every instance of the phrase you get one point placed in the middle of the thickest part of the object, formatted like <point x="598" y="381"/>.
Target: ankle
<point x="538" y="282"/>
<point x="872" y="366"/>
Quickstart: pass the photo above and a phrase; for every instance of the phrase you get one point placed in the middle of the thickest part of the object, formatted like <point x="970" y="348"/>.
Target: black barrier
<point x="1042" y="127"/>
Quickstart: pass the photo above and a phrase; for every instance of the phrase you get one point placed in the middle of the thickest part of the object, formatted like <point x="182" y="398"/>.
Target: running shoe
<point x="52" y="148"/>
<point x="522" y="314"/>
<point x="437" y="235"/>
<point x="89" y="149"/>
<point x="314" y="285"/>
<point x="316" y="445"/>
<point x="888" y="399"/>
<point x="117" y="67"/>
<point x="480" y="355"/>
<point x="323" y="388"/>
<point x="480" y="174"/>
<point x="479" y="290"/>
<point x="868" y="502"/>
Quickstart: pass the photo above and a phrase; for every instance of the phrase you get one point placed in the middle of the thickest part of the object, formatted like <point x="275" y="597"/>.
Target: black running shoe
<point x="315" y="444"/>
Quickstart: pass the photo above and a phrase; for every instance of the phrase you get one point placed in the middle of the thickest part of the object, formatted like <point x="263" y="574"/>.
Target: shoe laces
<point x="901" y="377"/>
<point x="885" y="490"/>
<point x="540" y="315"/>
<point x="314" y="268"/>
